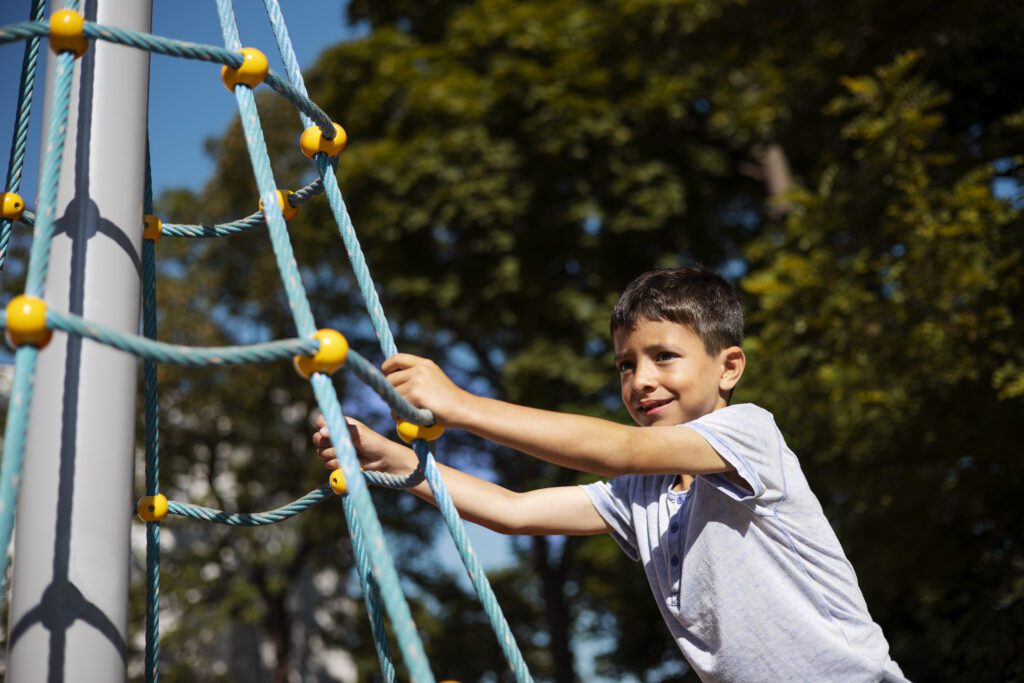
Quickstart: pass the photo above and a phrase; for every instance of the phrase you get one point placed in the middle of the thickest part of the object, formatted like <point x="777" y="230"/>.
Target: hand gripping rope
<point x="315" y="353"/>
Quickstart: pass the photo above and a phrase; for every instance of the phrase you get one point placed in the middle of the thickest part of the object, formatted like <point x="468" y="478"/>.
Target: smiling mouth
<point x="653" y="406"/>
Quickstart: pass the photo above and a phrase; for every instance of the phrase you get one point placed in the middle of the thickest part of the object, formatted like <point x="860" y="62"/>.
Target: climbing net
<point x="316" y="353"/>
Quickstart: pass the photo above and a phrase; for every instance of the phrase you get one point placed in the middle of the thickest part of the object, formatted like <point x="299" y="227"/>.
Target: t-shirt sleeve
<point x="747" y="438"/>
<point x="612" y="500"/>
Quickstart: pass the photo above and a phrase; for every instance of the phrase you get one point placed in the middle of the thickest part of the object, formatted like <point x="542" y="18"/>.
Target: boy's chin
<point x="659" y="420"/>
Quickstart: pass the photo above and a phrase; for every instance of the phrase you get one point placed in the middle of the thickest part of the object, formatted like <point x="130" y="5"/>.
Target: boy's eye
<point x="665" y="355"/>
<point x="625" y="366"/>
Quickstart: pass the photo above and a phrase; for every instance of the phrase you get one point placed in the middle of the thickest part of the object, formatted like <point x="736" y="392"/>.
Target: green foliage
<point x="887" y="339"/>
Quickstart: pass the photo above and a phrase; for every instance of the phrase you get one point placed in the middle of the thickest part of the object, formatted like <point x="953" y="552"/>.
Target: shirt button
<point x="675" y="561"/>
<point x="673" y="527"/>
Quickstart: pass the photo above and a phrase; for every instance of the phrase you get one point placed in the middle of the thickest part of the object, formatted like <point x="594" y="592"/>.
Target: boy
<point x="743" y="564"/>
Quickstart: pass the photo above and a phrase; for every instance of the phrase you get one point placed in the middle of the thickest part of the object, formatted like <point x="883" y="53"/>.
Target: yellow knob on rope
<point x="154" y="229"/>
<point x="251" y="72"/>
<point x="409" y="432"/>
<point x="11" y="206"/>
<point x="26" y="322"/>
<point x="313" y="141"/>
<point x="287" y="210"/>
<point x="329" y="357"/>
<point x="152" y="508"/>
<point x="338" y="483"/>
<point x="67" y="33"/>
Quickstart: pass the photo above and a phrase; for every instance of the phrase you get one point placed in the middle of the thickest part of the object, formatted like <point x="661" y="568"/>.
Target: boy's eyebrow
<point x="650" y="348"/>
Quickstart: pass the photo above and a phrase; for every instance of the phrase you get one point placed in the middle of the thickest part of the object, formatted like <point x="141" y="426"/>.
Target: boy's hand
<point x="376" y="453"/>
<point x="425" y="385"/>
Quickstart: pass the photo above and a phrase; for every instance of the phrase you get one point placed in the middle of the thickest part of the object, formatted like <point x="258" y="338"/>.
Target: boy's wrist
<point x="463" y="411"/>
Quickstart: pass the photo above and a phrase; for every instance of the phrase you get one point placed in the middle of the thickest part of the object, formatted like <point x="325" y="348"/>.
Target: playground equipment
<point x="88" y="583"/>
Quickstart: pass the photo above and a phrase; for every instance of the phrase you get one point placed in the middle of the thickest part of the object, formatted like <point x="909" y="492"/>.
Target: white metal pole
<point x="69" y="607"/>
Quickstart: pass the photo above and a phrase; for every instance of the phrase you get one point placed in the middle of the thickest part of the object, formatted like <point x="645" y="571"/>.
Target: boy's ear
<point x="734" y="361"/>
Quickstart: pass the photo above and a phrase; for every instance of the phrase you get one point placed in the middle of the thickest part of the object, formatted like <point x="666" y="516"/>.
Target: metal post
<point x="69" y="610"/>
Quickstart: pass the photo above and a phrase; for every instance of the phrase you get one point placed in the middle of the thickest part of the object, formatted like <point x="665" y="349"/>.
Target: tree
<point x="888" y="336"/>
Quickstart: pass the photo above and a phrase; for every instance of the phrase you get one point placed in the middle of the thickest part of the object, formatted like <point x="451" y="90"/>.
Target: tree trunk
<point x="771" y="167"/>
<point x="553" y="586"/>
<point x="279" y="622"/>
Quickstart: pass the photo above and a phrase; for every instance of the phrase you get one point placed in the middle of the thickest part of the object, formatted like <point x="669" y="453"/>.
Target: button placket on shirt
<point x="678" y="503"/>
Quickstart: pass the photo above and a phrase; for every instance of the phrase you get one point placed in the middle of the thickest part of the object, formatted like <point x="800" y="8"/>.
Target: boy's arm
<point x="565" y="510"/>
<point x="578" y="442"/>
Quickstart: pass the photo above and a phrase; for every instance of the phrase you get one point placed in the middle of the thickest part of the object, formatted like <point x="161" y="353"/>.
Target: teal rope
<point x="255" y="220"/>
<point x="474" y="569"/>
<point x="25" y="357"/>
<point x="367" y="580"/>
<point x="371" y="591"/>
<point x="427" y="466"/>
<point x="163" y="352"/>
<point x="272" y="516"/>
<point x="26" y="30"/>
<point x="209" y="53"/>
<point x="380" y="559"/>
<point x="19" y="140"/>
<point x="14" y="451"/>
<point x="251" y="518"/>
<point x="152" y="439"/>
<point x="28" y="218"/>
<point x="39" y="257"/>
<point x="375" y="379"/>
<point x="175" y="48"/>
<point x="334" y="199"/>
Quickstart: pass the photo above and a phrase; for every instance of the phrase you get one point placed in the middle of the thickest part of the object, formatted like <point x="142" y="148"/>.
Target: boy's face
<point x="667" y="376"/>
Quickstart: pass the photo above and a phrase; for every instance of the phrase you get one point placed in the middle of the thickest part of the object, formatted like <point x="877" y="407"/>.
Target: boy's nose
<point x="643" y="379"/>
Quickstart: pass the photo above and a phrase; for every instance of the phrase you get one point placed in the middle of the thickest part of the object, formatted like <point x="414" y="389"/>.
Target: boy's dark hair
<point x="696" y="297"/>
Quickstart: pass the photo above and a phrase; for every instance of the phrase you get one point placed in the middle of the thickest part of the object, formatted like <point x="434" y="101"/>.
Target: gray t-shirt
<point x="753" y="586"/>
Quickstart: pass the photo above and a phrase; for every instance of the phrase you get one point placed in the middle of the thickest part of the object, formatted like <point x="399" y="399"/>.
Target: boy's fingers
<point x="399" y="361"/>
<point x="399" y="377"/>
<point x="321" y="440"/>
<point x="320" y="421"/>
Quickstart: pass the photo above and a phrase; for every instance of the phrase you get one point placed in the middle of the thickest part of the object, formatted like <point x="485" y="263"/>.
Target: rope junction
<point x="30" y="324"/>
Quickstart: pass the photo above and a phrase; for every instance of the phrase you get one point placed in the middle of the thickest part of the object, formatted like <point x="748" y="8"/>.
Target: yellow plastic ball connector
<point x="338" y="483"/>
<point x="67" y="33"/>
<point x="313" y="141"/>
<point x="329" y="357"/>
<point x="287" y="210"/>
<point x="152" y="508"/>
<point x="26" y="322"/>
<point x="253" y="70"/>
<point x="409" y="432"/>
<point x="11" y="206"/>
<point x="154" y="228"/>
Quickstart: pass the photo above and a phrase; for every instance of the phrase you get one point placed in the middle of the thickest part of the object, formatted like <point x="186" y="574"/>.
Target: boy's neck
<point x="683" y="483"/>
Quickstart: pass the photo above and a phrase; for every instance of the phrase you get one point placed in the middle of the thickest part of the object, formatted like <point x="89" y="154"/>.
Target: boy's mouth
<point x="652" y="407"/>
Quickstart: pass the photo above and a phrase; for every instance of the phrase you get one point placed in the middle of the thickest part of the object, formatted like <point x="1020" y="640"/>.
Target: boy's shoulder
<point x="749" y="415"/>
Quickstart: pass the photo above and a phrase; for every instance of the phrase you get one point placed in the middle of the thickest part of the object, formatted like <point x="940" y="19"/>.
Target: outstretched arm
<point x="564" y="510"/>
<point x="575" y="441"/>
